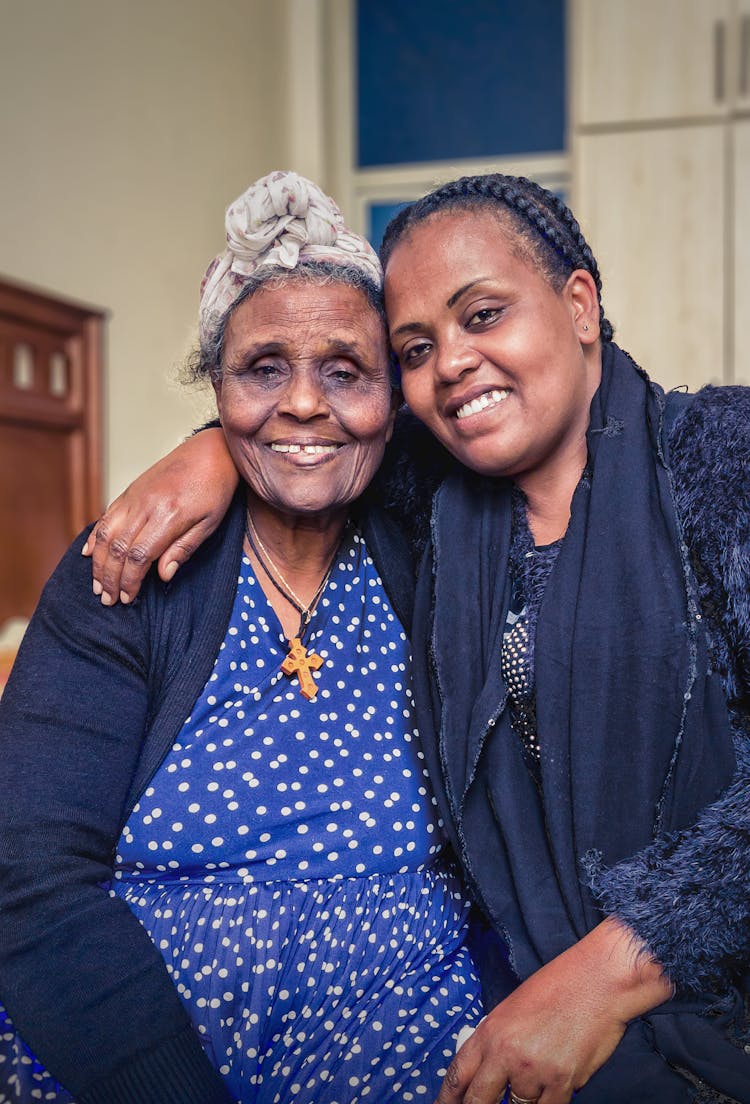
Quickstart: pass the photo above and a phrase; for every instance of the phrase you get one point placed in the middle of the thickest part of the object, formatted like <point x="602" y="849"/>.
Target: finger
<point x="176" y="555"/>
<point x="110" y="551"/>
<point x="139" y="556"/>
<point x="489" y="1085"/>
<point x="460" y="1074"/>
<point x="160" y="539"/>
<point x="556" y="1095"/>
<point x="180" y="551"/>
<point x="528" y="1087"/>
<point x="124" y="551"/>
<point x="88" y="544"/>
<point x="519" y="1093"/>
<point x="557" y="1089"/>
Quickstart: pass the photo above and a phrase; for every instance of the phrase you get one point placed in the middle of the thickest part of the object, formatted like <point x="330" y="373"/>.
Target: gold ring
<point x="522" y="1099"/>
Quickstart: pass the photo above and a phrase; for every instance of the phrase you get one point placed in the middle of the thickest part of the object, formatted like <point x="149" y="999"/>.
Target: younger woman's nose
<point x="454" y="358"/>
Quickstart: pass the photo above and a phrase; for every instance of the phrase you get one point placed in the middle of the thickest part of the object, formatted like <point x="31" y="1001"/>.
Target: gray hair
<point x="207" y="361"/>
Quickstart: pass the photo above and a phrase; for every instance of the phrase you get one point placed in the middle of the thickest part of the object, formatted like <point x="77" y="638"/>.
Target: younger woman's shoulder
<point x="714" y="424"/>
<point x="709" y="449"/>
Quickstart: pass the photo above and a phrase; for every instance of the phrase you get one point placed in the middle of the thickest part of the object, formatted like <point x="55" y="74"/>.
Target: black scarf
<point x="634" y="732"/>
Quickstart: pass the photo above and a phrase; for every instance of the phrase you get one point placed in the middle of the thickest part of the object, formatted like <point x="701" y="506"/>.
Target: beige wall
<point x="126" y="127"/>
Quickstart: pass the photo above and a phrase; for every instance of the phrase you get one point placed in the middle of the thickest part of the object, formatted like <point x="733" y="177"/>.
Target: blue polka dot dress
<point x="285" y="859"/>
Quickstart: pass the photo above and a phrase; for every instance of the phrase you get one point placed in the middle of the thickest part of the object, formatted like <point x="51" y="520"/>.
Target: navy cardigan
<point x="94" y="703"/>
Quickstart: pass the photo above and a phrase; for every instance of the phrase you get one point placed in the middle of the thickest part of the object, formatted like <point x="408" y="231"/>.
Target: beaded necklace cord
<point x="298" y="660"/>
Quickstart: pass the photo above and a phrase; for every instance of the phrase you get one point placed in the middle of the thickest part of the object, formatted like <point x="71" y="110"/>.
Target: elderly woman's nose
<point x="303" y="396"/>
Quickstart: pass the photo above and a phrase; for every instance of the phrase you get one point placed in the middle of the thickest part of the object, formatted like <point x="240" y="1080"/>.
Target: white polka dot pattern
<point x="23" y="1079"/>
<point x="285" y="861"/>
<point x="263" y="784"/>
<point x="337" y="991"/>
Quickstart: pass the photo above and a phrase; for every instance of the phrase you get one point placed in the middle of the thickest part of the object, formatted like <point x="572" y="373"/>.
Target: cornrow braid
<point x="542" y="221"/>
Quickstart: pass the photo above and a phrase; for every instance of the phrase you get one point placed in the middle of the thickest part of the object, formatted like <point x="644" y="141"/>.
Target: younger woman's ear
<point x="581" y="295"/>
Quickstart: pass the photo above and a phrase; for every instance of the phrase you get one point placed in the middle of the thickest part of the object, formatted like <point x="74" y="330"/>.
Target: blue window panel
<point x="379" y="215"/>
<point x="439" y="80"/>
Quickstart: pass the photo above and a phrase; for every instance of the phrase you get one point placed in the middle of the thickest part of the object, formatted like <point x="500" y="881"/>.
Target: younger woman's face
<point x="493" y="360"/>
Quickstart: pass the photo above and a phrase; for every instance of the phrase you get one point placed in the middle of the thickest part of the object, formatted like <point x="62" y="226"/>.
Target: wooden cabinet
<point x="650" y="207"/>
<point x="661" y="177"/>
<point x="642" y="61"/>
<point x="50" y="436"/>
<point x="741" y="250"/>
<point x="739" y="56"/>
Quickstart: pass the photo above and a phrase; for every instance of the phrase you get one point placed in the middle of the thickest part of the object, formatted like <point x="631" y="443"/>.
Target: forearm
<point x="612" y="958"/>
<point x="688" y="897"/>
<point x="559" y="1027"/>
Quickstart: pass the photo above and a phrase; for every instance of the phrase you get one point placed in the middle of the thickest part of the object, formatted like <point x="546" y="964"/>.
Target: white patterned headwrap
<point x="282" y="219"/>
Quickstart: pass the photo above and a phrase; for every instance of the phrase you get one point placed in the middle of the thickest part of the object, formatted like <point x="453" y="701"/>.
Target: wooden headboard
<point x="50" y="436"/>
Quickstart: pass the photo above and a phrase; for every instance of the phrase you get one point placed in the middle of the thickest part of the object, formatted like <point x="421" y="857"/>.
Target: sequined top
<point x="530" y="568"/>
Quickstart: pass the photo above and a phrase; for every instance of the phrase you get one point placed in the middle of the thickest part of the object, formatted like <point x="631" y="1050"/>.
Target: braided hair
<point x="545" y="227"/>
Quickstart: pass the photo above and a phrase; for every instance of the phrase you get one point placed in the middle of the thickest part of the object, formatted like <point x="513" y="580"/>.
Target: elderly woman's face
<point x="305" y="398"/>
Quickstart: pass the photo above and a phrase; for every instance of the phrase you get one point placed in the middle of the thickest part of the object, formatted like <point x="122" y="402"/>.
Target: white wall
<point x="126" y="127"/>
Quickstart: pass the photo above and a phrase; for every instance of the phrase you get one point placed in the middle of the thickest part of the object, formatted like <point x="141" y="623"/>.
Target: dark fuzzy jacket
<point x="687" y="897"/>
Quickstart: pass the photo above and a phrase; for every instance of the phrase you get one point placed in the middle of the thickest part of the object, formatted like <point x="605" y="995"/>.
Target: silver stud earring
<point x="586" y="326"/>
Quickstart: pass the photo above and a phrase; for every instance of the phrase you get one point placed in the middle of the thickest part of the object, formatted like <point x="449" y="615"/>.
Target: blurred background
<point x="127" y="127"/>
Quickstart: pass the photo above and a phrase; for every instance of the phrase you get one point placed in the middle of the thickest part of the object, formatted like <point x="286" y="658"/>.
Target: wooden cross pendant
<point x="298" y="662"/>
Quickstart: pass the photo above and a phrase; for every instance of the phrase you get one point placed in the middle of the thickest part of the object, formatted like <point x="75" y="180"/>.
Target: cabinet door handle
<point x="719" y="50"/>
<point x="745" y="56"/>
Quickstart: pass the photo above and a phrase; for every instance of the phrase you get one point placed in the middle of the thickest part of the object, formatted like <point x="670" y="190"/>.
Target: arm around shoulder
<point x="164" y="515"/>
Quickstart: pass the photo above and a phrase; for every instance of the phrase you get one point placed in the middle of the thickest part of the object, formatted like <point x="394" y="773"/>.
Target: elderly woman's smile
<point x="301" y="450"/>
<point x="304" y="395"/>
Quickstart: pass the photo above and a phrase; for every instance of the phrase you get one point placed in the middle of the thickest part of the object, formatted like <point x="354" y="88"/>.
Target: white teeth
<point x="490" y="398"/>
<point x="309" y="450"/>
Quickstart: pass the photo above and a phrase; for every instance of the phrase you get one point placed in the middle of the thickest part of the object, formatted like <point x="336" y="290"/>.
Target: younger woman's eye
<point x="484" y="316"/>
<point x="412" y="354"/>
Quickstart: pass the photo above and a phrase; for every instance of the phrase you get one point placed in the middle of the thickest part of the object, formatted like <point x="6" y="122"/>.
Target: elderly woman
<point x="589" y="554"/>
<point x="220" y="872"/>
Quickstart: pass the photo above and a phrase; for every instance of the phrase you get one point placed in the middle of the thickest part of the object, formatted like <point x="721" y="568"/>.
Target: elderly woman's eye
<point x="341" y="372"/>
<point x="264" y="370"/>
